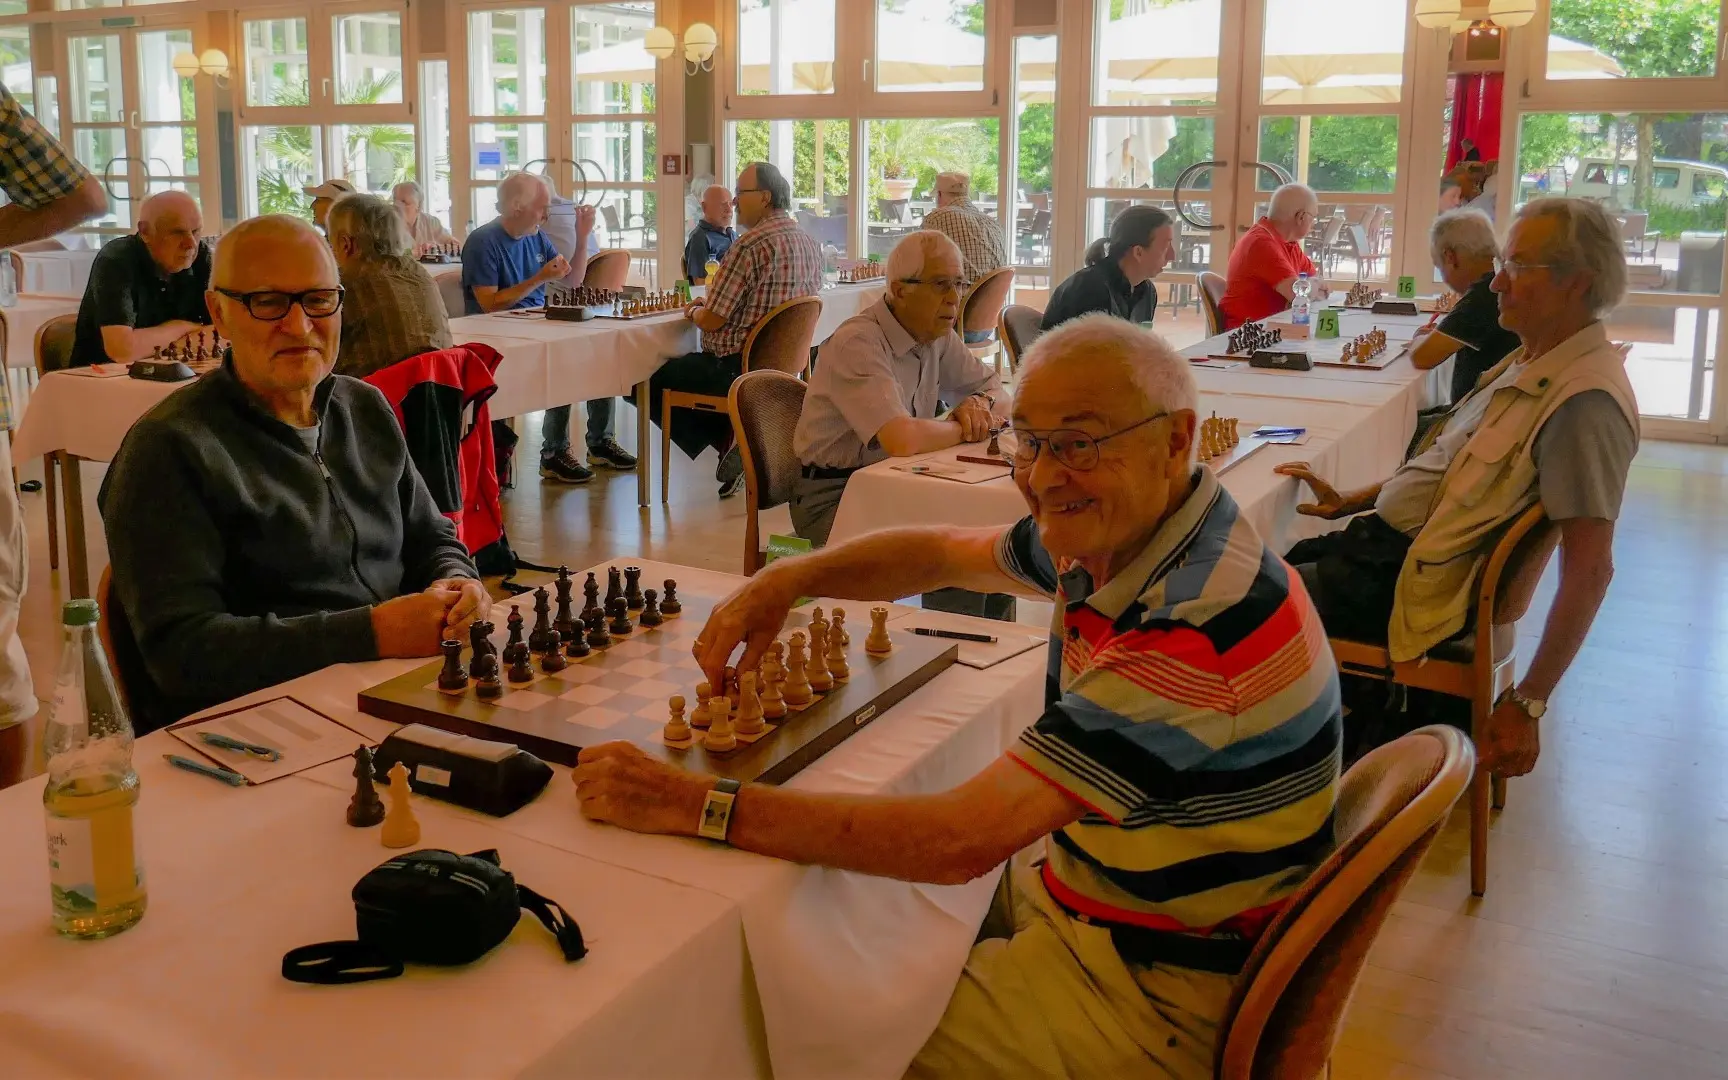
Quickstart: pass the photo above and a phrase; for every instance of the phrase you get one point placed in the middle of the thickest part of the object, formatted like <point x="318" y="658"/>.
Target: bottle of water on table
<point x="8" y="282"/>
<point x="1299" y="303"/>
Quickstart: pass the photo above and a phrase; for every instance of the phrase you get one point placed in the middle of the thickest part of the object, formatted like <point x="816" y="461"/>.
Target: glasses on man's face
<point x="1073" y="448"/>
<point x="1512" y="267"/>
<point x="268" y="306"/>
<point x="938" y="285"/>
<point x="748" y="191"/>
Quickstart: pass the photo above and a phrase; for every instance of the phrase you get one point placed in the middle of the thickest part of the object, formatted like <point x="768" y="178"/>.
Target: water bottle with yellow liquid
<point x="709" y="269"/>
<point x="94" y="872"/>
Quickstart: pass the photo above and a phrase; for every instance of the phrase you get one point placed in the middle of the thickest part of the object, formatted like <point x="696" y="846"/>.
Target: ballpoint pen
<point x="956" y="635"/>
<point x="228" y="742"/>
<point x="214" y="772"/>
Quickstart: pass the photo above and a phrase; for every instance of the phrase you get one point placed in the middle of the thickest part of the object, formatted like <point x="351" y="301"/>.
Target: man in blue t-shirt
<point x="507" y="263"/>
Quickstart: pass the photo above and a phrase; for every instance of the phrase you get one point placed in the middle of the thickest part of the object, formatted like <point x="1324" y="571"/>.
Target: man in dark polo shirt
<point x="1184" y="768"/>
<point x="1463" y="248"/>
<point x="146" y="290"/>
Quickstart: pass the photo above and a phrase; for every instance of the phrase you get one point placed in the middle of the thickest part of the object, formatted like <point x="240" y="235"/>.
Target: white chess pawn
<point x="749" y="705"/>
<point x="773" y="702"/>
<point x="838" y="667"/>
<point x="699" y="718"/>
<point x="677" y="728"/>
<point x="719" y="738"/>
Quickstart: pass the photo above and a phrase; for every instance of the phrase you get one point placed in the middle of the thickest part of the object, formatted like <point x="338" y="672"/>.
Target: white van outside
<point x="1674" y="183"/>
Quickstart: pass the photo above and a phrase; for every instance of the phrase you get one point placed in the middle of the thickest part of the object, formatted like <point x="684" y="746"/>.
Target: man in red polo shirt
<point x="1264" y="266"/>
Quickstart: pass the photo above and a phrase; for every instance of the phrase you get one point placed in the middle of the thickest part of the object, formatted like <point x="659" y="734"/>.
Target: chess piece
<point x="620" y="626"/>
<point x="614" y="587"/>
<point x="543" y="637"/>
<point x="633" y="587"/>
<point x="838" y="630"/>
<point x="731" y="694"/>
<point x="452" y="677"/>
<point x="877" y="642"/>
<point x="1235" y="439"/>
<point x="598" y="638"/>
<point x="564" y="624"/>
<point x="514" y="648"/>
<point x="400" y="828"/>
<point x="797" y="688"/>
<point x="719" y="738"/>
<point x="480" y="644"/>
<point x="994" y="449"/>
<point x="669" y="604"/>
<point x="773" y="704"/>
<point x="590" y="599"/>
<point x="365" y="808"/>
<point x="577" y="647"/>
<point x="816" y="670"/>
<point x="749" y="705"/>
<point x="699" y="718"/>
<point x="838" y="667"/>
<point x="521" y="671"/>
<point x="677" y="728"/>
<point x="650" y="609"/>
<point x="487" y="684"/>
<point x="552" y="660"/>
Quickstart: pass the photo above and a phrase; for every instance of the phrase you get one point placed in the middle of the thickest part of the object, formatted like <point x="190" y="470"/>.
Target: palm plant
<point x="292" y="150"/>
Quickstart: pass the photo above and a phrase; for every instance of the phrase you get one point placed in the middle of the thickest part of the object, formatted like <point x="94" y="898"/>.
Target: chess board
<point x="1328" y="353"/>
<point x="1245" y="448"/>
<point x="621" y="692"/>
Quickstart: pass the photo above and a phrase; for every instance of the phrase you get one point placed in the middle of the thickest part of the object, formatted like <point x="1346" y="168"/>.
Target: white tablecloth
<point x="56" y="273"/>
<point x="27" y="317"/>
<point x="849" y="973"/>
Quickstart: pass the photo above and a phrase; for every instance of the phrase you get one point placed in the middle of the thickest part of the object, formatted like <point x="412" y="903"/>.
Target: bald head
<point x="522" y="202"/>
<point x="171" y="227"/>
<point x="280" y="355"/>
<point x="247" y="258"/>
<point x="1293" y="210"/>
<point x="717" y="206"/>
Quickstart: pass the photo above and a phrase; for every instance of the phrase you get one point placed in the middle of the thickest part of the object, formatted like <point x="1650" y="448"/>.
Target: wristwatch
<point x="717" y="810"/>
<point x="1534" y="708"/>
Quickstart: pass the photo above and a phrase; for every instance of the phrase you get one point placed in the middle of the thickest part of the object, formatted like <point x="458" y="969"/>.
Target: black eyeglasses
<point x="268" y="306"/>
<point x="1075" y="449"/>
<point x="941" y="285"/>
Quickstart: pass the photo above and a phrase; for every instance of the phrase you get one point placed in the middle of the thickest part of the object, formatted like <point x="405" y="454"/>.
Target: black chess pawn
<point x="521" y="670"/>
<point x="452" y="677"/>
<point x="553" y="659"/>
<point x="514" y="647"/>
<point x="614" y="587"/>
<point x="598" y="638"/>
<point x="651" y="609"/>
<point x="620" y="625"/>
<point x="669" y="604"/>
<point x="590" y="599"/>
<point x="543" y="637"/>
<point x="576" y="645"/>
<point x="633" y="587"/>
<point x="487" y="684"/>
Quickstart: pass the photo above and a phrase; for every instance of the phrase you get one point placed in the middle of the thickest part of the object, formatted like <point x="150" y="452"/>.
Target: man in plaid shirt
<point x="49" y="193"/>
<point x="773" y="262"/>
<point x="979" y="236"/>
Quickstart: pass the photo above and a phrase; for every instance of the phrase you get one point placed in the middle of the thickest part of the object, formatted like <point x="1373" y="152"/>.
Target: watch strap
<point x="716" y="820"/>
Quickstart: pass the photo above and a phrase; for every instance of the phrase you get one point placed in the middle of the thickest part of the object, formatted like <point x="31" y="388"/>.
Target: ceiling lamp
<point x="1438" y="14"/>
<point x="1512" y="13"/>
<point x="700" y="41"/>
<point x="660" y="42"/>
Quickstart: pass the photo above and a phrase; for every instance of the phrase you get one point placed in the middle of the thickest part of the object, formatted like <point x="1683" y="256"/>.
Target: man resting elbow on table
<point x="146" y="291"/>
<point x="879" y="378"/>
<point x="267" y="521"/>
<point x="1184" y="768"/>
<point x="1463" y="247"/>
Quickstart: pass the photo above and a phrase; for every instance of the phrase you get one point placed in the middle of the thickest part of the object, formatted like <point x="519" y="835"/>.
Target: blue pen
<point x="228" y="742"/>
<point x="215" y="772"/>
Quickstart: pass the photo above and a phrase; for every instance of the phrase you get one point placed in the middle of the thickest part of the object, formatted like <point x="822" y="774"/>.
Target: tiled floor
<point x="1601" y="948"/>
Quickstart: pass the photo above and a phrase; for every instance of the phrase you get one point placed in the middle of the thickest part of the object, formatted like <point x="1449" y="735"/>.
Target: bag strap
<point x="332" y="963"/>
<point x="555" y="919"/>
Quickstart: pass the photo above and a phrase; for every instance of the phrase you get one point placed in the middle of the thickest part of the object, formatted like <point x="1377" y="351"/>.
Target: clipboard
<point x="306" y="737"/>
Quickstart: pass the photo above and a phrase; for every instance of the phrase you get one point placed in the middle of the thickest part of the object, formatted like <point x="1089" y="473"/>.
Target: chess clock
<point x="1281" y="360"/>
<point x="160" y="371"/>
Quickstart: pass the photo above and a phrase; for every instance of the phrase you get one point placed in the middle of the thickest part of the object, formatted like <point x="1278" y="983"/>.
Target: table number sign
<point x="1327" y="324"/>
<point x="1406" y="288"/>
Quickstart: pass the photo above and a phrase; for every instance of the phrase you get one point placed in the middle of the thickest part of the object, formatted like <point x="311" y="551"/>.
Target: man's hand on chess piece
<point x="752" y="615"/>
<point x="469" y="603"/>
<point x="556" y="268"/>
<point x="619" y="784"/>
<point x="1328" y="503"/>
<point x="411" y="625"/>
<point x="973" y="416"/>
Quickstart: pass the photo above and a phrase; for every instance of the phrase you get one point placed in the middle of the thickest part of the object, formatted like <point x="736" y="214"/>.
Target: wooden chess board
<point x="1322" y="352"/>
<point x="621" y="692"/>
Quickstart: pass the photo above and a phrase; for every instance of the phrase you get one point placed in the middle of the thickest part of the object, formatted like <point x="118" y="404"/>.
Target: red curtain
<point x="1476" y="116"/>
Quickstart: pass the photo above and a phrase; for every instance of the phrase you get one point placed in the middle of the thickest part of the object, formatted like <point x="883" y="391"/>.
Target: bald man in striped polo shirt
<point x="1184" y="769"/>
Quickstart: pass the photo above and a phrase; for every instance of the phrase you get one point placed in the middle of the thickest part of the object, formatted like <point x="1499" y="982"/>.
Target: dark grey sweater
<point x="243" y="559"/>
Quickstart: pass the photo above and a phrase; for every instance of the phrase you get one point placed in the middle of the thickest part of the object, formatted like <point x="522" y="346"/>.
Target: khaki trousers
<point x="1056" y="1000"/>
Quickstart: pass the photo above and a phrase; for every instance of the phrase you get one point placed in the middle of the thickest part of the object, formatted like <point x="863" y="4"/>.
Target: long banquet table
<point x="705" y="961"/>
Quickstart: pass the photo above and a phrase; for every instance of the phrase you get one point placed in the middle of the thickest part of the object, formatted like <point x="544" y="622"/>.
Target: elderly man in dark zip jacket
<point x="268" y="521"/>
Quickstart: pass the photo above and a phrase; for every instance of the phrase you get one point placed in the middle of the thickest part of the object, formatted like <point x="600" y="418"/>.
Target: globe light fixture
<point x="700" y="41"/>
<point x="660" y="42"/>
<point x="1512" y="13"/>
<point x="1438" y="14"/>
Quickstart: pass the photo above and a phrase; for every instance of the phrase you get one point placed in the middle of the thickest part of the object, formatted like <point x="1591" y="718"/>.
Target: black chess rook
<point x="633" y="587"/>
<point x="452" y="677"/>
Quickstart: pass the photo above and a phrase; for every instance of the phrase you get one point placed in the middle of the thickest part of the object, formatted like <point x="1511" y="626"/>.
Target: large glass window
<point x="1332" y="52"/>
<point x="434" y="171"/>
<point x="98" y="89"/>
<point x="1147" y="151"/>
<point x="613" y="73"/>
<point x="1151" y="52"/>
<point x="15" y="70"/>
<point x="507" y="63"/>
<point x="623" y="150"/>
<point x="1332" y="153"/>
<point x="1639" y="39"/>
<point x="374" y="157"/>
<point x="816" y="155"/>
<point x="786" y="46"/>
<point x="368" y="58"/>
<point x="932" y="45"/>
<point x="277" y="69"/>
<point x="1672" y="357"/>
<point x="903" y="156"/>
<point x="1035" y="154"/>
<point x="280" y="160"/>
<point x="625" y="218"/>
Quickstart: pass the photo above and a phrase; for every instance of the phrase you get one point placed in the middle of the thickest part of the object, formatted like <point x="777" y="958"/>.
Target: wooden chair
<point x="982" y="308"/>
<point x="54" y="353"/>
<point x="1212" y="293"/>
<point x="1479" y="664"/>
<point x="765" y="407"/>
<point x="143" y="701"/>
<point x="607" y="270"/>
<point x="1018" y="327"/>
<point x="779" y="342"/>
<point x="1283" y="1020"/>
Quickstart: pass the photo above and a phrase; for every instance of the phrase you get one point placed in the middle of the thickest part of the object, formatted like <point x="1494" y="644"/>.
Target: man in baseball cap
<point x="325" y="194"/>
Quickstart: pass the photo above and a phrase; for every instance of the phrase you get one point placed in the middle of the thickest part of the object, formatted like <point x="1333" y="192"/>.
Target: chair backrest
<point x="450" y="289"/>
<point x="984" y="303"/>
<point x="1212" y="294"/>
<point x="609" y="214"/>
<point x="607" y="270"/>
<point x="1358" y="237"/>
<point x="892" y="210"/>
<point x="1334" y="227"/>
<point x="143" y="701"/>
<point x="765" y="407"/>
<point x="1633" y="224"/>
<point x="54" y="344"/>
<point x="1508" y="582"/>
<point x="1284" y="1018"/>
<point x="781" y="340"/>
<point x="1018" y="328"/>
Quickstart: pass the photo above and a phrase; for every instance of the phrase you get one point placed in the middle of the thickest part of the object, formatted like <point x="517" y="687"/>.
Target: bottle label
<point x="91" y="860"/>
